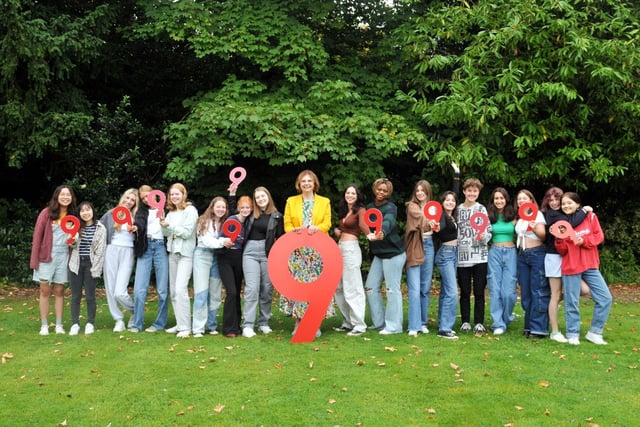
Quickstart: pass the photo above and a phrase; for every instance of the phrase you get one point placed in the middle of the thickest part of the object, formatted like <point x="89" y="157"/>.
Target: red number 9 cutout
<point x="317" y="293"/>
<point x="71" y="231"/>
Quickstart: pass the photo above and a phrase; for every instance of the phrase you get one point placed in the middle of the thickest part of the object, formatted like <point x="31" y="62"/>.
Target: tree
<point x="527" y="92"/>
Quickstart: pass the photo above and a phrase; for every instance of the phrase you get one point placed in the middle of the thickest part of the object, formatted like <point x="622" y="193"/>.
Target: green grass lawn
<point x="143" y="379"/>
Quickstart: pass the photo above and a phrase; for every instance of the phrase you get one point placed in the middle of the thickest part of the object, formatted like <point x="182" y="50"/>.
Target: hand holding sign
<point x="70" y="230"/>
<point x="373" y="218"/>
<point x="433" y="212"/>
<point x="319" y="292"/>
<point x="157" y="199"/>
<point x="232" y="228"/>
<point x="528" y="211"/>
<point x="562" y="229"/>
<point x="122" y="215"/>
<point x="479" y="222"/>
<point x="236" y="176"/>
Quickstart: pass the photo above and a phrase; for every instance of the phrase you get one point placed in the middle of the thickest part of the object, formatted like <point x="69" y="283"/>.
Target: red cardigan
<point x="577" y="259"/>
<point x="42" y="243"/>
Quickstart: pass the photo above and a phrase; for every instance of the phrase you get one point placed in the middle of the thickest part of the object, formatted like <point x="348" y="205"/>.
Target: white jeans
<point x="118" y="265"/>
<point x="180" y="268"/>
<point x="350" y="296"/>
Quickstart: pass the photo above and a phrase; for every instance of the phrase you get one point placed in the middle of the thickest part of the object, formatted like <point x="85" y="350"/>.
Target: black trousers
<point x="230" y="267"/>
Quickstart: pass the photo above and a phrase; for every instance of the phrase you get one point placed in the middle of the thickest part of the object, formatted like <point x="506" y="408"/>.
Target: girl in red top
<point x="580" y="261"/>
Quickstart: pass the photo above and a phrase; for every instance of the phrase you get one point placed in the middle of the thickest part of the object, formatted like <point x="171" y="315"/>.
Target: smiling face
<point x="176" y="196"/>
<point x="381" y="193"/>
<point x="499" y="201"/>
<point x="65" y="198"/>
<point x="471" y="194"/>
<point x="421" y="194"/>
<point x="523" y="198"/>
<point x="350" y="196"/>
<point x="245" y="208"/>
<point x="554" y="202"/>
<point x="219" y="209"/>
<point x="86" y="214"/>
<point x="569" y="206"/>
<point x="261" y="198"/>
<point x="307" y="185"/>
<point x="449" y="203"/>
<point x="130" y="201"/>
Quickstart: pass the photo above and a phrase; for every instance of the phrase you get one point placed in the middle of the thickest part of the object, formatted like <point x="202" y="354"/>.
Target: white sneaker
<point x="413" y="333"/>
<point x="75" y="328"/>
<point x="44" y="330"/>
<point x="213" y="332"/>
<point x="387" y="332"/>
<point x="59" y="330"/>
<point x="88" y="329"/>
<point x="119" y="327"/>
<point x="466" y="327"/>
<point x="172" y="330"/>
<point x="424" y="329"/>
<point x="183" y="334"/>
<point x="573" y="341"/>
<point x="595" y="338"/>
<point x="557" y="336"/>
<point x="248" y="332"/>
<point x="151" y="329"/>
<point x="265" y="329"/>
<point x="498" y="331"/>
<point x="198" y="335"/>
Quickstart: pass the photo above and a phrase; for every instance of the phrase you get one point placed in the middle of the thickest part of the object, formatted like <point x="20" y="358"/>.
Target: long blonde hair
<point x="123" y="198"/>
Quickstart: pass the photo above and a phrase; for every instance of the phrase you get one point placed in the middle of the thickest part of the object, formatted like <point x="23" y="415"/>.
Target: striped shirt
<point x="86" y="239"/>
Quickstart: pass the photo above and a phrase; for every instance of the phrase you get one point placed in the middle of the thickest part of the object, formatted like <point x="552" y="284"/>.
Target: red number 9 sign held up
<point x="121" y="215"/>
<point x="319" y="292"/>
<point x="70" y="230"/>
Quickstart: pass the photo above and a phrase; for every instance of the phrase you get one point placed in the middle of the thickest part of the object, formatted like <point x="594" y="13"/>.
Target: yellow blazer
<point x="321" y="216"/>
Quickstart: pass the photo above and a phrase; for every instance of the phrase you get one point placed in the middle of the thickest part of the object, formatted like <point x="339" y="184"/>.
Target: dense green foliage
<point x="109" y="95"/>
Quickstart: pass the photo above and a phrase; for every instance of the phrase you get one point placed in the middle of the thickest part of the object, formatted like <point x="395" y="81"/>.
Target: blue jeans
<point x="389" y="269"/>
<point x="600" y="295"/>
<point x="535" y="292"/>
<point x="503" y="264"/>
<point x="155" y="257"/>
<point x="447" y="261"/>
<point x="419" y="285"/>
<point x="206" y="290"/>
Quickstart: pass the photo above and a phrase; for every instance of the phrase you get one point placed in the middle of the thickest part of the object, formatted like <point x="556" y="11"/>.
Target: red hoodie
<point x="577" y="259"/>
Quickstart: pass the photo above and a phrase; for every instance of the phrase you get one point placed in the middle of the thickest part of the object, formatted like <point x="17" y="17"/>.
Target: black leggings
<point x="477" y="274"/>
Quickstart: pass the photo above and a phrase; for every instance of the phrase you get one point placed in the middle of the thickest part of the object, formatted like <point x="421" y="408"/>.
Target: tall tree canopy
<point x="543" y="91"/>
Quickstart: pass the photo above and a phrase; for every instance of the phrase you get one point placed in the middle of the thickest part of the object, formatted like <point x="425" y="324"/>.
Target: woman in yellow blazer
<point x="311" y="212"/>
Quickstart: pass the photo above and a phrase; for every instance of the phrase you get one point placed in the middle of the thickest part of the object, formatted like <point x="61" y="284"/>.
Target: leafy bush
<point x="17" y="219"/>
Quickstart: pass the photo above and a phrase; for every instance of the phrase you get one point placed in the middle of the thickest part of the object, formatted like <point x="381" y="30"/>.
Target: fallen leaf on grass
<point x="63" y="423"/>
<point x="380" y="363"/>
<point x="430" y="411"/>
<point x="547" y="412"/>
<point x="218" y="408"/>
<point x="453" y="366"/>
<point x="311" y="364"/>
<point x="343" y="389"/>
<point x="519" y="408"/>
<point x="213" y="359"/>
<point x="332" y="401"/>
<point x="313" y="379"/>
<point x="360" y="362"/>
<point x="392" y="349"/>
<point x="544" y="383"/>
<point x="6" y="356"/>
<point x="229" y="347"/>
<point x="180" y="413"/>
<point x="277" y="365"/>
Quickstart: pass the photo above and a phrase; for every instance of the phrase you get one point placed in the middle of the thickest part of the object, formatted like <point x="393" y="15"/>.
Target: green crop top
<point x="503" y="231"/>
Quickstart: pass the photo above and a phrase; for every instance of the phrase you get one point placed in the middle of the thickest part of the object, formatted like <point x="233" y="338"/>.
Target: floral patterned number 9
<point x="319" y="292"/>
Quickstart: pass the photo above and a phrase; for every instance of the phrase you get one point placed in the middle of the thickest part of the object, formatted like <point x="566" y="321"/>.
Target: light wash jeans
<point x="389" y="269"/>
<point x="180" y="269"/>
<point x="349" y="296"/>
<point x="207" y="289"/>
<point x="118" y="265"/>
<point x="419" y="286"/>
<point x="258" y="289"/>
<point x="503" y="262"/>
<point x="535" y="292"/>
<point x="447" y="261"/>
<point x="600" y="295"/>
<point x="155" y="257"/>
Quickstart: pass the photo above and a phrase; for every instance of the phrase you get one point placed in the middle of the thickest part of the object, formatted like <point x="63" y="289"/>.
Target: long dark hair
<point x="508" y="213"/>
<point x="454" y="212"/>
<point x="343" y="207"/>
<point x="54" y="206"/>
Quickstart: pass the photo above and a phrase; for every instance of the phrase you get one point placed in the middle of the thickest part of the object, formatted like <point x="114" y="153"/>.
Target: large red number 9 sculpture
<point x="317" y="293"/>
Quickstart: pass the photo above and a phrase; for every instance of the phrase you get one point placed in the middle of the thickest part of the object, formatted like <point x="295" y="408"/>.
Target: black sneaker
<point x="448" y="335"/>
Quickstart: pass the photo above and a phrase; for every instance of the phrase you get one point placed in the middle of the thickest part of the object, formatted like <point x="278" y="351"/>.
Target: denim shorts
<point x="55" y="271"/>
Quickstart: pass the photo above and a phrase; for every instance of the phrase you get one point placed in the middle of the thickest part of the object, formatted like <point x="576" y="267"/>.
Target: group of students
<point x="469" y="244"/>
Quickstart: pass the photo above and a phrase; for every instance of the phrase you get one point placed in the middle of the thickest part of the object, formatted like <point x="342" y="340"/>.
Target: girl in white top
<point x="118" y="260"/>
<point x="179" y="227"/>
